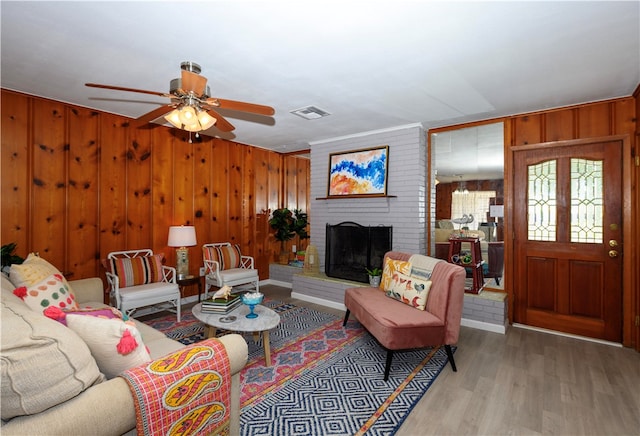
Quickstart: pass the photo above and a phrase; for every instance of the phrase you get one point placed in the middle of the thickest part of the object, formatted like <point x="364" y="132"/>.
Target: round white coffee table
<point x="267" y="319"/>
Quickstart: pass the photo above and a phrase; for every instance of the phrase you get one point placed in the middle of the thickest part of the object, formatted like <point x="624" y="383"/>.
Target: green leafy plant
<point x="374" y="272"/>
<point x="7" y="256"/>
<point x="286" y="225"/>
<point x="282" y="222"/>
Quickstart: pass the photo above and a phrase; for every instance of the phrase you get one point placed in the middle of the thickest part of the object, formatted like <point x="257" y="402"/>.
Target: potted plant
<point x="287" y="225"/>
<point x="8" y="258"/>
<point x="375" y="275"/>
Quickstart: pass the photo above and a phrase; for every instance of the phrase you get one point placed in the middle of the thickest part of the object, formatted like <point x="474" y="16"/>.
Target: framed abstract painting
<point x="359" y="173"/>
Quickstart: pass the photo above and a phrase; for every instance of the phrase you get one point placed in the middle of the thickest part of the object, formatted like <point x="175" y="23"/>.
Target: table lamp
<point x="182" y="237"/>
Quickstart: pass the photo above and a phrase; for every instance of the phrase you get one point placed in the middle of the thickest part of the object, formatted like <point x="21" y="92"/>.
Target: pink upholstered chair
<point x="398" y="326"/>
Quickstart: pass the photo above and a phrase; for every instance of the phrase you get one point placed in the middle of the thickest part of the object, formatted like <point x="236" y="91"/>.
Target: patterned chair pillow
<point x="228" y="256"/>
<point x="136" y="270"/>
<point x="410" y="290"/>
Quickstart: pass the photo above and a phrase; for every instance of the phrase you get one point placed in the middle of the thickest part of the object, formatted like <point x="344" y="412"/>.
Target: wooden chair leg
<point x="447" y="348"/>
<point x="387" y="367"/>
<point x="346" y="317"/>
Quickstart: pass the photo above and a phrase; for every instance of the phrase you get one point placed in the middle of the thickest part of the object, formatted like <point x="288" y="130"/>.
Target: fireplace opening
<point x="351" y="249"/>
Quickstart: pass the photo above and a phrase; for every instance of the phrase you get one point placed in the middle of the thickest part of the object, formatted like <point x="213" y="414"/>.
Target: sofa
<point x="418" y="304"/>
<point x="89" y="403"/>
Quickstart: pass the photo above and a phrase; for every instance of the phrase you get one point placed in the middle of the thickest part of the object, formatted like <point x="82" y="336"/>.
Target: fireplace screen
<point x="352" y="248"/>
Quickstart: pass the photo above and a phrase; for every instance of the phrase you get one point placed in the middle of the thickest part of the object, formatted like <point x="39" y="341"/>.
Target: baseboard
<point x="479" y="325"/>
<point x="319" y="301"/>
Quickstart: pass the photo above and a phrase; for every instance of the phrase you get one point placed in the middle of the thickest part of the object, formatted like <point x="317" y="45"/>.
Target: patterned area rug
<point x="325" y="379"/>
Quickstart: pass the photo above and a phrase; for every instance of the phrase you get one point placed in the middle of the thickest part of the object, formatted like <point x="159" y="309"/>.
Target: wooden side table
<point x="455" y="246"/>
<point x="190" y="281"/>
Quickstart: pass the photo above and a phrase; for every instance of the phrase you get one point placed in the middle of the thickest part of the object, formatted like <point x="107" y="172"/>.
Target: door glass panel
<point x="541" y="199"/>
<point x="586" y="201"/>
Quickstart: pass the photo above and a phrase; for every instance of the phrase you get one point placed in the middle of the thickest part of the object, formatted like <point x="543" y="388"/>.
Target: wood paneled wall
<point x="613" y="117"/>
<point x="77" y="184"/>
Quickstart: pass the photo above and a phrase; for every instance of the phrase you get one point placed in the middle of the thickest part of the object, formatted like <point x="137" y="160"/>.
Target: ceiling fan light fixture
<point x="174" y="118"/>
<point x="206" y="120"/>
<point x="187" y="115"/>
<point x="192" y="127"/>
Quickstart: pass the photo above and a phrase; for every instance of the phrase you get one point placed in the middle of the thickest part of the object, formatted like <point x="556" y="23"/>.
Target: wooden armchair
<point x="225" y="265"/>
<point x="137" y="279"/>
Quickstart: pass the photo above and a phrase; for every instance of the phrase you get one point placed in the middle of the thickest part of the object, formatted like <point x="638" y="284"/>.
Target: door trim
<point x="630" y="292"/>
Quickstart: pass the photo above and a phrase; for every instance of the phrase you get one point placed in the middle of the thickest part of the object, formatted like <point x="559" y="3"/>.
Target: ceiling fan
<point x="192" y="108"/>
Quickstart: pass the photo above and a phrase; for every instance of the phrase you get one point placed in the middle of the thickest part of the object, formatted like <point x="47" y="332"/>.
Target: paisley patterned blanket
<point x="183" y="393"/>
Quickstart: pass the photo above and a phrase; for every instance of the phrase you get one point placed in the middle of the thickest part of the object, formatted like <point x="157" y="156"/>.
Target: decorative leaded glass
<point x="587" y="201"/>
<point x="541" y="201"/>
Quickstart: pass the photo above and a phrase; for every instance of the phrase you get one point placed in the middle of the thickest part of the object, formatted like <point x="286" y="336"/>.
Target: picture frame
<point x="358" y="173"/>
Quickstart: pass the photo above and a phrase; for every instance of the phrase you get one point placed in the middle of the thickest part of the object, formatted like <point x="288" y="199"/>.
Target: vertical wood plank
<point x="261" y="251"/>
<point x="15" y="167"/>
<point x="163" y="195"/>
<point x="527" y="129"/>
<point x="219" y="191"/>
<point x="276" y="197"/>
<point x="82" y="194"/>
<point x="113" y="189"/>
<point x="138" y="177"/>
<point x="182" y="183"/>
<point x="48" y="208"/>
<point x="202" y="199"/>
<point x="290" y="173"/>
<point x="248" y="203"/>
<point x="560" y="125"/>
<point x="594" y="120"/>
<point x="624" y="116"/>
<point x="235" y="199"/>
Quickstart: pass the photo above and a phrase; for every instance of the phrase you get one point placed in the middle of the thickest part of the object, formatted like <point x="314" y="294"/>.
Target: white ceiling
<point x="372" y="65"/>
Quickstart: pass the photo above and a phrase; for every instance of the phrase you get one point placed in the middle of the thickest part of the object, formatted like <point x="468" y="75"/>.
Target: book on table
<point x="220" y="305"/>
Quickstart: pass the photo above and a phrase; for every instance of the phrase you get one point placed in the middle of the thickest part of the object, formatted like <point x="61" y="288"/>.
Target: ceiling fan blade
<point x="156" y="113"/>
<point x="222" y="124"/>
<point x="241" y="106"/>
<point x="120" y="88"/>
<point x="193" y="82"/>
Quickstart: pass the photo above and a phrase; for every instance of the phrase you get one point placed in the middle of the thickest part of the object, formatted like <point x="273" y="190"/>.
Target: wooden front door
<point x="568" y="238"/>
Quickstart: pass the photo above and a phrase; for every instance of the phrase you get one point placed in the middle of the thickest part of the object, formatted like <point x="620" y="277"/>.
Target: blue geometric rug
<point x="338" y="388"/>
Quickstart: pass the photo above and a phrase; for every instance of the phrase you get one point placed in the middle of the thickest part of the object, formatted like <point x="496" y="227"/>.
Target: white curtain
<point x="474" y="203"/>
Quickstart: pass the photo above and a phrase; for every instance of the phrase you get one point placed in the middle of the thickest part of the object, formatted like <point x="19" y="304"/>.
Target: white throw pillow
<point x="116" y="345"/>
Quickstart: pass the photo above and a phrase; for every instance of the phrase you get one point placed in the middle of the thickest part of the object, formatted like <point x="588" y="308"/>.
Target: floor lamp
<point x="182" y="237"/>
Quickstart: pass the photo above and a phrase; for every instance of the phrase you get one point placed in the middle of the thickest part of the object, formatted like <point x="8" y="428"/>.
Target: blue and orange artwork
<point x="358" y="173"/>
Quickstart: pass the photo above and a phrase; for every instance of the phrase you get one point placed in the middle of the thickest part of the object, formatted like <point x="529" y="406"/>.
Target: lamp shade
<point x="182" y="236"/>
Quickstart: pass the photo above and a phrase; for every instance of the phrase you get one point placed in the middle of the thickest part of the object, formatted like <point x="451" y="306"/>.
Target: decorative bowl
<point x="252" y="299"/>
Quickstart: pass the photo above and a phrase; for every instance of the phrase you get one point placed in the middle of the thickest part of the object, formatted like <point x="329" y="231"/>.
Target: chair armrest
<point x="246" y="262"/>
<point x="86" y="290"/>
<point x="168" y="274"/>
<point x="211" y="267"/>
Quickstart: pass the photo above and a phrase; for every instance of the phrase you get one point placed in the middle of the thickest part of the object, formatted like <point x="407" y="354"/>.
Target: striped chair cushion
<point x="228" y="256"/>
<point x="137" y="270"/>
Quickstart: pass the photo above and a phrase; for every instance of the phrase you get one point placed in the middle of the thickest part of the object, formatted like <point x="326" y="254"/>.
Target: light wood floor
<point x="524" y="383"/>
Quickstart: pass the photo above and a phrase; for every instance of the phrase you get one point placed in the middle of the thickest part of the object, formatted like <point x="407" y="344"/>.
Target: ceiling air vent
<point x="310" y="113"/>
